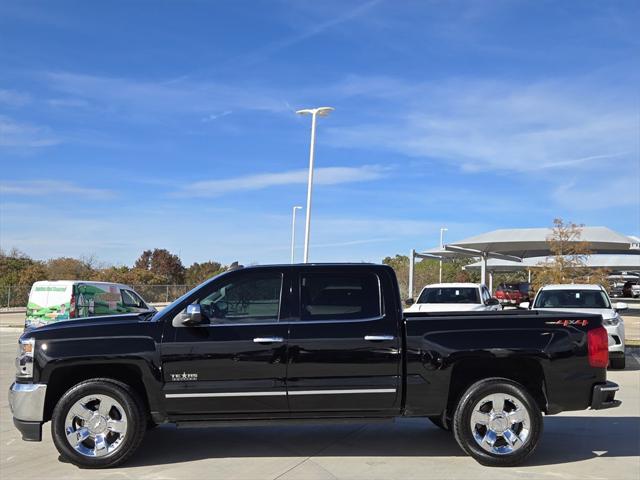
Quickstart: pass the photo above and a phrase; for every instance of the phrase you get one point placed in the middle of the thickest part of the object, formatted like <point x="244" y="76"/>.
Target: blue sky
<point x="133" y="125"/>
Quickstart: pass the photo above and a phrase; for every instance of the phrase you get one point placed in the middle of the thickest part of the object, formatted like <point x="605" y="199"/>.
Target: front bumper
<point x="604" y="396"/>
<point x="26" y="401"/>
<point x="615" y="334"/>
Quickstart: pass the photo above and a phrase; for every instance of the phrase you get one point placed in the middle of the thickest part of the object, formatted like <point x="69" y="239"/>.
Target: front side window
<point x="132" y="300"/>
<point x="245" y="299"/>
<point x="572" y="299"/>
<point x="340" y="297"/>
<point x="449" y="295"/>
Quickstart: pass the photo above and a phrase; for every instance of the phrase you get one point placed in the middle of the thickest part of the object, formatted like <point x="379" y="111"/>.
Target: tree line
<point x="566" y="264"/>
<point x="154" y="267"/>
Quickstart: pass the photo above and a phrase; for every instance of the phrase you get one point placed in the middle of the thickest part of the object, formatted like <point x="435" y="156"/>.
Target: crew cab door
<point x="344" y="348"/>
<point x="235" y="361"/>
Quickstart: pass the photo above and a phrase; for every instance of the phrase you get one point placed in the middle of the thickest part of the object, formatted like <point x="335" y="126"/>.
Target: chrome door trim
<point x="272" y="394"/>
<point x="268" y="340"/>
<point x="342" y="392"/>
<point x="224" y="394"/>
<point x="378" y="338"/>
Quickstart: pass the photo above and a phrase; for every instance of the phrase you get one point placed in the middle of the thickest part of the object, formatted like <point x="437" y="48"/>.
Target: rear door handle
<point x="378" y="338"/>
<point x="268" y="340"/>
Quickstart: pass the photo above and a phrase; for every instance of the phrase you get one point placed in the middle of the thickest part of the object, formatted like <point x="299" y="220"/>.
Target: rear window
<point x="339" y="297"/>
<point x="449" y="295"/>
<point x="572" y="299"/>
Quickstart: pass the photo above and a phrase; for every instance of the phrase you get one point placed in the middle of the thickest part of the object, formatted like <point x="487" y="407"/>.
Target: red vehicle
<point x="513" y="293"/>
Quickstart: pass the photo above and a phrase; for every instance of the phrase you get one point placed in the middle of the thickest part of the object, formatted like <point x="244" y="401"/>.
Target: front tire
<point x="98" y="423"/>
<point x="497" y="422"/>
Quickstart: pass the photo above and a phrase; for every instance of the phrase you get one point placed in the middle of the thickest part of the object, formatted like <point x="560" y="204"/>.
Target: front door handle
<point x="378" y="338"/>
<point x="268" y="340"/>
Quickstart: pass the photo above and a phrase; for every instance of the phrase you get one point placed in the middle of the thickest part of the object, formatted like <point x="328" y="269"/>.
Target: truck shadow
<point x="565" y="440"/>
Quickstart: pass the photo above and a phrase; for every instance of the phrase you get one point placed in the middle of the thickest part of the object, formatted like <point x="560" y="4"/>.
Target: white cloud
<point x="479" y="125"/>
<point x="312" y="27"/>
<point x="21" y="135"/>
<point x="146" y="99"/>
<point x="322" y="176"/>
<point x="14" y="98"/>
<point x="611" y="193"/>
<point x="215" y="116"/>
<point x="41" y="188"/>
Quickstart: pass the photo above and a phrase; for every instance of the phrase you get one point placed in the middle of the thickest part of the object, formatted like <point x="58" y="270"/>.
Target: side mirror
<point x="408" y="302"/>
<point x="493" y="301"/>
<point x="620" y="306"/>
<point x="193" y="315"/>
<point x="525" y="305"/>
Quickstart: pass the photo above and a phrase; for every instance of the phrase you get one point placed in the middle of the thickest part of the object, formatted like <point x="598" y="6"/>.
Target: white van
<point x="52" y="301"/>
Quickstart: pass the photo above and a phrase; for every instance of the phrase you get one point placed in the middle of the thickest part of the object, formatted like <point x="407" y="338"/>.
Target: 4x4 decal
<point x="566" y="323"/>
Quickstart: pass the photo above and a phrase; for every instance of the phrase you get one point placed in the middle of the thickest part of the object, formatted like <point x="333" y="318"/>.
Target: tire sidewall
<point x="135" y="422"/>
<point x="462" y="419"/>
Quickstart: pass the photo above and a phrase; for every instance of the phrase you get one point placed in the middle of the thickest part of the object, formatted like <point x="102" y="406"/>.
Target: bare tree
<point x="568" y="263"/>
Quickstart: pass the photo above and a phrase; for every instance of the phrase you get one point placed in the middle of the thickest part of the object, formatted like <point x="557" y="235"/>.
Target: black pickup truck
<point x="306" y="343"/>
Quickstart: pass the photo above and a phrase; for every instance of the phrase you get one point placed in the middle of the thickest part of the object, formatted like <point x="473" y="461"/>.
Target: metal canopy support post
<point x="529" y="272"/>
<point x="491" y="281"/>
<point x="412" y="261"/>
<point x="483" y="271"/>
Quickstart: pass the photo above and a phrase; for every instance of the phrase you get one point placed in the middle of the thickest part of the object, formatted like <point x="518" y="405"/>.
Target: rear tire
<point x="497" y="422"/>
<point x="618" y="362"/>
<point x="98" y="423"/>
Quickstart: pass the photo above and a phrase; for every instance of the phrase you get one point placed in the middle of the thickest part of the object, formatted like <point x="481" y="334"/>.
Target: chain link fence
<point x="14" y="296"/>
<point x="161" y="293"/>
<point x="17" y="296"/>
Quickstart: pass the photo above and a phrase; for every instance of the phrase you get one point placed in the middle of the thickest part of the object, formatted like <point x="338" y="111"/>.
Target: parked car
<point x="616" y="290"/>
<point x="513" y="293"/>
<point x="454" y="297"/>
<point x="594" y="299"/>
<point x="306" y="343"/>
<point x="631" y="289"/>
<point x="52" y="301"/>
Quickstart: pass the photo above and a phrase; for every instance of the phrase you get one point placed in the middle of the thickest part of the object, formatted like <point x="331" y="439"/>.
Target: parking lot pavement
<point x="575" y="445"/>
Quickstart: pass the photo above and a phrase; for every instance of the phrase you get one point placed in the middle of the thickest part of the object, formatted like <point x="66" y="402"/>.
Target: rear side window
<point x="340" y="297"/>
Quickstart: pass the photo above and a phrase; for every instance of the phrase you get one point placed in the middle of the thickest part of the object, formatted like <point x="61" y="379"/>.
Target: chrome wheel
<point x="500" y="423"/>
<point x="96" y="425"/>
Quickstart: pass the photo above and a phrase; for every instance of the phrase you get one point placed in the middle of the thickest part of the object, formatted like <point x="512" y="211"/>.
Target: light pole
<point x="314" y="112"/>
<point x="442" y="230"/>
<point x="293" y="233"/>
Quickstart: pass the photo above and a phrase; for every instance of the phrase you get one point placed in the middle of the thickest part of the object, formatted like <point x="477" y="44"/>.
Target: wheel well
<point x="63" y="378"/>
<point x="527" y="373"/>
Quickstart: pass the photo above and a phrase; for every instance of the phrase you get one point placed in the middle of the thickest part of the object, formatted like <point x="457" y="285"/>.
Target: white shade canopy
<point x="510" y="248"/>
<point x="610" y="262"/>
<point x="534" y="242"/>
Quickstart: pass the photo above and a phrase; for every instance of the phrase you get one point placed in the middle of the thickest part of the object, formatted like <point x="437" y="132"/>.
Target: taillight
<point x="598" y="343"/>
<point x="72" y="307"/>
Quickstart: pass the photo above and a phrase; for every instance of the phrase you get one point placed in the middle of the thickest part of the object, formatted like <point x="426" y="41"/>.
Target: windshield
<point x="449" y="295"/>
<point x="572" y="299"/>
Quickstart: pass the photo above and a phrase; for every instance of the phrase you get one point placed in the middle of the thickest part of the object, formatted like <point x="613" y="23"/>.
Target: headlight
<point x="24" y="359"/>
<point x="615" y="320"/>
